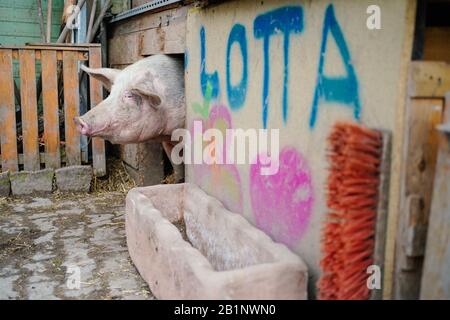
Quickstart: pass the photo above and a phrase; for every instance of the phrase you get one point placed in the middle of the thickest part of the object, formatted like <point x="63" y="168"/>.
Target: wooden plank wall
<point x="147" y="34"/>
<point x="19" y="21"/>
<point x="428" y="83"/>
<point x="436" y="273"/>
<point x="423" y="116"/>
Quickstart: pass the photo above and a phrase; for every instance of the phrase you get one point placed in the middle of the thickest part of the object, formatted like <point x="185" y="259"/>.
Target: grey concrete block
<point x="32" y="182"/>
<point x="5" y="185"/>
<point x="74" y="178"/>
<point x="144" y="162"/>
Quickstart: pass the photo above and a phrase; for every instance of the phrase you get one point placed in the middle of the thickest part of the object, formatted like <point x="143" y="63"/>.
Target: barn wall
<point x="369" y="69"/>
<point x="149" y="33"/>
<point x="19" y="21"/>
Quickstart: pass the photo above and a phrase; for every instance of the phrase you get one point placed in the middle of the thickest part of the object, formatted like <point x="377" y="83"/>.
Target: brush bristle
<point x="348" y="234"/>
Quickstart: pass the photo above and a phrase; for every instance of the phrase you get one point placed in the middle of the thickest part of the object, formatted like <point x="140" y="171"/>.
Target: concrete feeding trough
<point x="186" y="245"/>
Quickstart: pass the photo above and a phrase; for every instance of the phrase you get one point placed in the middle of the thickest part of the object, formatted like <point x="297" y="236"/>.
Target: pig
<point x="146" y="102"/>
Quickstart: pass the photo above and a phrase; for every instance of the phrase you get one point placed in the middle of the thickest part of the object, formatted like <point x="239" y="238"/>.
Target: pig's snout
<point x="82" y="126"/>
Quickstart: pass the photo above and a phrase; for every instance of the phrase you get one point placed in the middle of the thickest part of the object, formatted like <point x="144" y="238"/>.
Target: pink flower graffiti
<point x="282" y="203"/>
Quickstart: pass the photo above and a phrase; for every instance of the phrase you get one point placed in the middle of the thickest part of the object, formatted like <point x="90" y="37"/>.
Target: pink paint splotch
<point x="282" y="203"/>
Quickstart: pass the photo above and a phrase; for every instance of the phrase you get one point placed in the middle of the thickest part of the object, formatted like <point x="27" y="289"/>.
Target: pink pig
<point x="146" y="102"/>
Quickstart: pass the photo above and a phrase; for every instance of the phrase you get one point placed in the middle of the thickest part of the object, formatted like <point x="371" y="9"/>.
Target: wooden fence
<point x="29" y="148"/>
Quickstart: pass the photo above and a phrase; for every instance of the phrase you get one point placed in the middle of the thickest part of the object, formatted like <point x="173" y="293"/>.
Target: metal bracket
<point x="141" y="9"/>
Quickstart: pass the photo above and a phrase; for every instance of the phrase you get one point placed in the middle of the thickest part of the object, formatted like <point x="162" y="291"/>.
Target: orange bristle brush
<point x="349" y="232"/>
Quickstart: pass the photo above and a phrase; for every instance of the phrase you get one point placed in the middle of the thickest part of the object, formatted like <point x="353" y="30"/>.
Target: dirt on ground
<point x="70" y="246"/>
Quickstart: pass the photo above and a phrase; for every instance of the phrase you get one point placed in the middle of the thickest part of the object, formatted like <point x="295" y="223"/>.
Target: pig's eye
<point x="130" y="97"/>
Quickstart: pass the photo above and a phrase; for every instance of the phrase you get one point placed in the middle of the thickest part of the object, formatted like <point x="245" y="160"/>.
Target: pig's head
<point x="131" y="113"/>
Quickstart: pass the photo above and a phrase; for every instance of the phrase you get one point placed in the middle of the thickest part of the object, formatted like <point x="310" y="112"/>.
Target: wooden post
<point x="29" y="109"/>
<point x="436" y="271"/>
<point x="71" y="107"/>
<point x="50" y="102"/>
<point x="428" y="84"/>
<point x="423" y="116"/>
<point x="7" y="113"/>
<point x="96" y="89"/>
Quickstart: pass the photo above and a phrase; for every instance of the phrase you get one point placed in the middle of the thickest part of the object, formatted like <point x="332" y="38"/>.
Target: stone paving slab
<point x="32" y="182"/>
<point x="74" y="178"/>
<point x="70" y="246"/>
<point x="5" y="185"/>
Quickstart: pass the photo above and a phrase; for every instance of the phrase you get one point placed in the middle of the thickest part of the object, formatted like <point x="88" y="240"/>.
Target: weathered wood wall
<point x="436" y="273"/>
<point x="420" y="251"/>
<point x="147" y="34"/>
<point x="423" y="113"/>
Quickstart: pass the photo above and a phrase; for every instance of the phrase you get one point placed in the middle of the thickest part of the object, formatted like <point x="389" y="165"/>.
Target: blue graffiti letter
<point x="335" y="89"/>
<point x="284" y="20"/>
<point x="212" y="78"/>
<point x="237" y="93"/>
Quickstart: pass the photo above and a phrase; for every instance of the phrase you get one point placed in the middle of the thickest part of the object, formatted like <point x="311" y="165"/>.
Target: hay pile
<point x="117" y="179"/>
<point x="21" y="243"/>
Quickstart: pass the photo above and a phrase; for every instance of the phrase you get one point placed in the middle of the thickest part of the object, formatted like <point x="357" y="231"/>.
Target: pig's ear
<point x="105" y="75"/>
<point x="153" y="99"/>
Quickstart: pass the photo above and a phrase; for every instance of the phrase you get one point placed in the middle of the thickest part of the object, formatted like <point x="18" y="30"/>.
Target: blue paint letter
<point x="186" y="59"/>
<point x="337" y="89"/>
<point x="237" y="93"/>
<point x="212" y="78"/>
<point x="284" y="20"/>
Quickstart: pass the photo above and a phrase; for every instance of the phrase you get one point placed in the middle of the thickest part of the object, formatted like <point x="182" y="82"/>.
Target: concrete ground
<point x="66" y="247"/>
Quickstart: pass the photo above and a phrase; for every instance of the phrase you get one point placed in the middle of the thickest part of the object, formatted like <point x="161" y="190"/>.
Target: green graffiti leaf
<point x="203" y="110"/>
